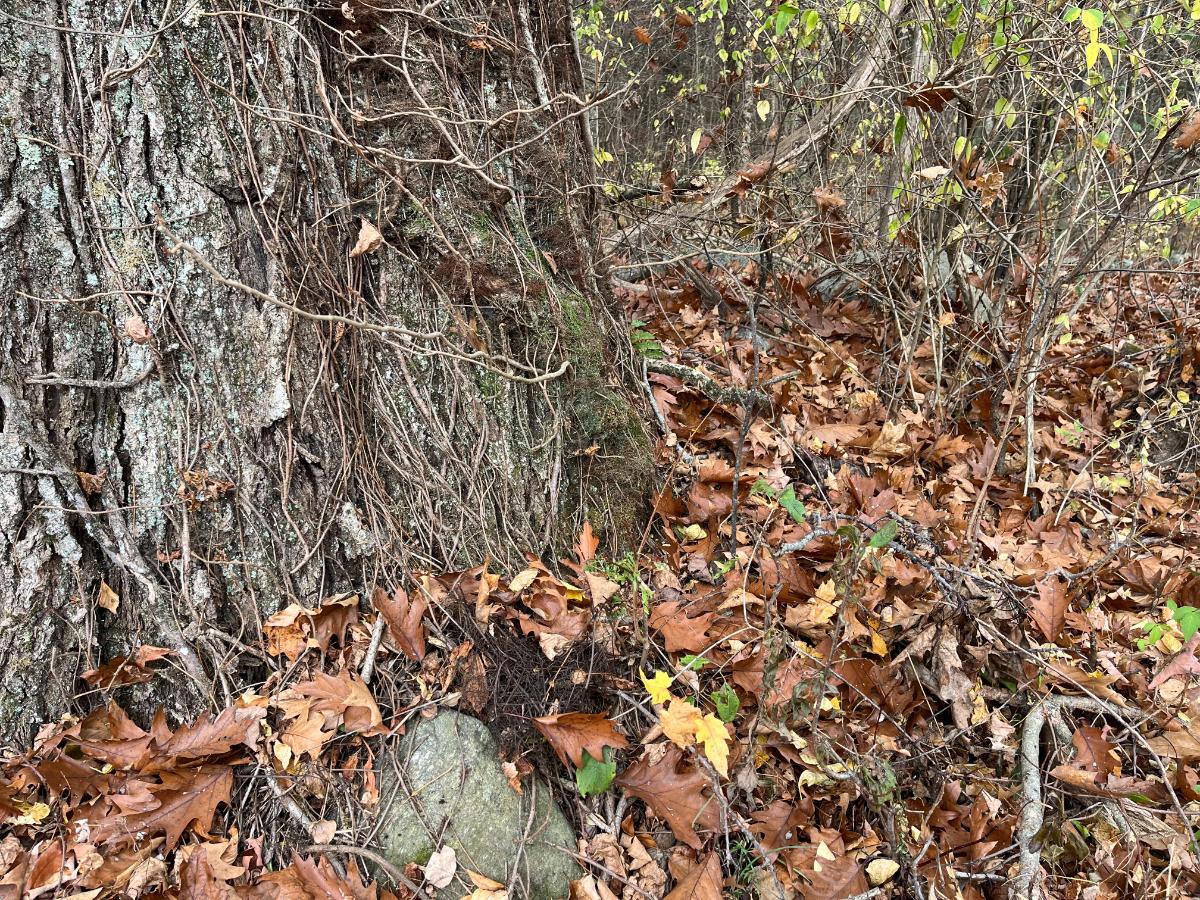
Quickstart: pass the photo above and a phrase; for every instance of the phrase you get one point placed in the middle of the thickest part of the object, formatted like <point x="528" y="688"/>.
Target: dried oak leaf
<point x="184" y="796"/>
<point x="1093" y="753"/>
<point x="780" y="824"/>
<point x="122" y="670"/>
<point x="111" y="869"/>
<point x="1184" y="663"/>
<point x="930" y="97"/>
<point x="1049" y="610"/>
<point x="207" y="736"/>
<point x="696" y="880"/>
<point x="404" y="617"/>
<point x="198" y="881"/>
<point x="587" y="545"/>
<point x="673" y="788"/>
<point x="678" y="631"/>
<point x="369" y="239"/>
<point x="1189" y="132"/>
<point x="294" y="628"/>
<point x="572" y="733"/>
<point x="46" y="871"/>
<point x="107" y="598"/>
<point x="1182" y="745"/>
<point x="828" y="199"/>
<point x="315" y="878"/>
<point x="92" y="484"/>
<point x="109" y="735"/>
<point x="833" y="877"/>
<point x="346" y="696"/>
<point x="136" y="330"/>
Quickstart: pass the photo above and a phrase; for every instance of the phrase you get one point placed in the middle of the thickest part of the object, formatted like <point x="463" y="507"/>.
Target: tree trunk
<point x="263" y="414"/>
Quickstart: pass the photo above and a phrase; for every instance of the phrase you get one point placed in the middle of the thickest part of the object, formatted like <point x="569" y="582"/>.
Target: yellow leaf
<point x="107" y="598"/>
<point x="824" y="601"/>
<point x="813" y="778"/>
<point x="29" y="814"/>
<point x="712" y="733"/>
<point x="878" y="645"/>
<point x="880" y="871"/>
<point x="694" y="533"/>
<point x="522" y="580"/>
<point x="483" y="882"/>
<point x="680" y="721"/>
<point x="658" y="686"/>
<point x="979" y="710"/>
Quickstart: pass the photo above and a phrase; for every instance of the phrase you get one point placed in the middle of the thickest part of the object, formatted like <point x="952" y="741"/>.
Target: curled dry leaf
<point x="295" y="628"/>
<point x="107" y="598"/>
<point x="1189" y="132"/>
<point x="404" y="615"/>
<point x="136" y="330"/>
<point x="369" y="239"/>
<point x="323" y="831"/>
<point x="343" y="695"/>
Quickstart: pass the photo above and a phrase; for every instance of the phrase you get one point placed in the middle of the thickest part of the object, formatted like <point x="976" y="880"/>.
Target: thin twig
<point x="395" y="873"/>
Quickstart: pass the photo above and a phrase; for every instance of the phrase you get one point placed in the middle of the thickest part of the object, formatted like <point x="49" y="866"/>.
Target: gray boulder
<point x="444" y="786"/>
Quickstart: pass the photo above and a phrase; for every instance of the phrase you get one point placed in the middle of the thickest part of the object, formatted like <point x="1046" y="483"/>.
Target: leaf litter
<point x="856" y="654"/>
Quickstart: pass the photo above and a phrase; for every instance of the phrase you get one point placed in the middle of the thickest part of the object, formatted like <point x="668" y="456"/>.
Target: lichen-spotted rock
<point x="444" y="786"/>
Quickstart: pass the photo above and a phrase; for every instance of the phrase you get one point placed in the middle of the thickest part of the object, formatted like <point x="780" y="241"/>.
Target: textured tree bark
<point x="267" y="415"/>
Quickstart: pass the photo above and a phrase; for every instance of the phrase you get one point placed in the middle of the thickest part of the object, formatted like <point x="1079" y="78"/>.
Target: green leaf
<point x="693" y="662"/>
<point x="850" y="533"/>
<point x="885" y="535"/>
<point x="594" y="776"/>
<point x="1092" y="19"/>
<point x="784" y="16"/>
<point x="763" y="488"/>
<point x="794" y="507"/>
<point x="725" y="699"/>
<point x="1188" y="618"/>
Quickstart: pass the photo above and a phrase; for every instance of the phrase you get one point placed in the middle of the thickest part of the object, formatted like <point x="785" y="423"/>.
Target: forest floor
<point x="856" y="656"/>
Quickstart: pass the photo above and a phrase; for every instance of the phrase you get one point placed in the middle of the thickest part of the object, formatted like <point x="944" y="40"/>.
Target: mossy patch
<point x="616" y="467"/>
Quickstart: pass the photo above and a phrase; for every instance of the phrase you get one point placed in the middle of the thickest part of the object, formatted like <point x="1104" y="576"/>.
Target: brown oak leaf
<point x="696" y="880"/>
<point x="1049" y="610"/>
<point x="184" y="796"/>
<point x="674" y="789"/>
<point x="572" y="733"/>
<point x="404" y="617"/>
<point x="346" y="696"/>
<point x="1093" y="753"/>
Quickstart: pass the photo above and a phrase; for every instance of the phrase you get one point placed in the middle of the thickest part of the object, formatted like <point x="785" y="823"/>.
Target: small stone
<point x="445" y="786"/>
